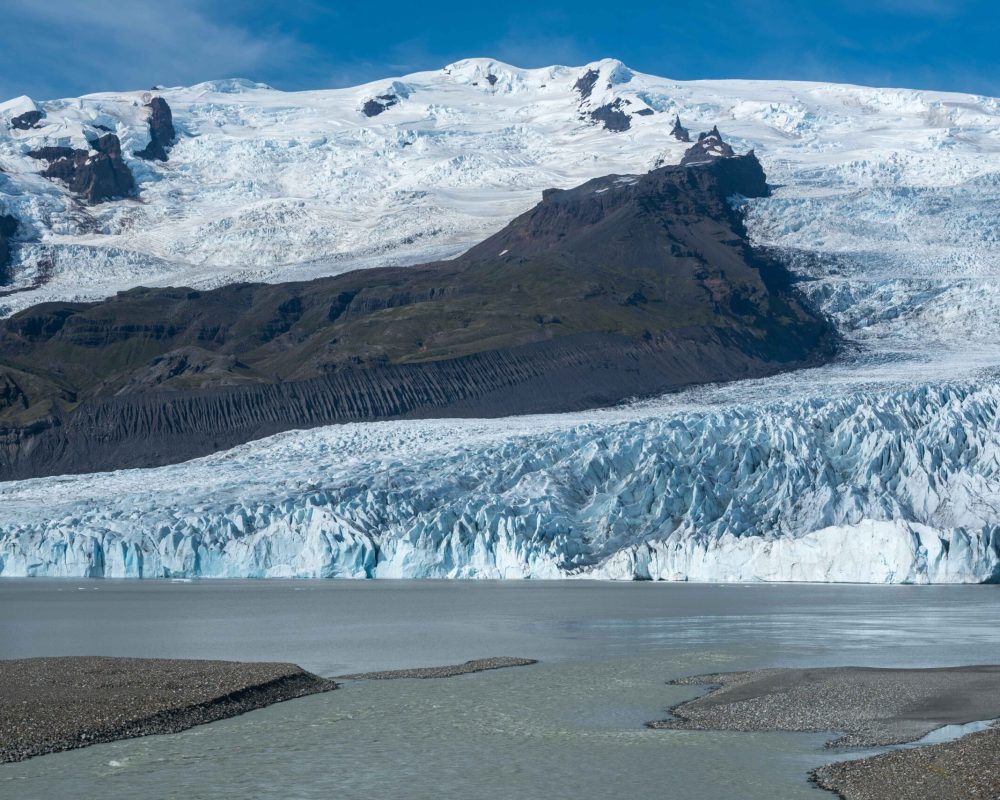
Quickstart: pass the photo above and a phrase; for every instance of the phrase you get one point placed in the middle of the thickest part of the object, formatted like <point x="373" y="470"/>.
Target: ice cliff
<point x="894" y="488"/>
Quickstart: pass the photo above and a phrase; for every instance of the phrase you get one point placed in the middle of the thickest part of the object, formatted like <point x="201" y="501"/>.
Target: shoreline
<point x="967" y="767"/>
<point x="50" y="705"/>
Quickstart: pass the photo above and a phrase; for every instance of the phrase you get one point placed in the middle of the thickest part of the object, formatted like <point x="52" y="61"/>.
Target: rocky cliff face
<point x="622" y="287"/>
<point x="161" y="131"/>
<point x="94" y="175"/>
<point x="8" y="227"/>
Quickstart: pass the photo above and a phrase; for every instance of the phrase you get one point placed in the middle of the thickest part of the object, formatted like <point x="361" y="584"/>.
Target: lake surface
<point x="570" y="727"/>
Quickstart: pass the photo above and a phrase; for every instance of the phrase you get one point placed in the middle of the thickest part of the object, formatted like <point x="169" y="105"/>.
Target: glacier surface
<point x="882" y="467"/>
<point x="875" y="487"/>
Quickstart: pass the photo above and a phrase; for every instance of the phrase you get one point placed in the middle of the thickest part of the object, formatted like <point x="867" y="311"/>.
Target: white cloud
<point x="82" y="46"/>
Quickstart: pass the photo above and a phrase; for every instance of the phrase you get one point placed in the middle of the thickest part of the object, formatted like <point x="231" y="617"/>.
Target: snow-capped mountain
<point x="269" y="185"/>
<point x="882" y="467"/>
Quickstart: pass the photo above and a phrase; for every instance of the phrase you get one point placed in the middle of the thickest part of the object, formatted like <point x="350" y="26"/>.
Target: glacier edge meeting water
<point x="880" y="468"/>
<point x="864" y="488"/>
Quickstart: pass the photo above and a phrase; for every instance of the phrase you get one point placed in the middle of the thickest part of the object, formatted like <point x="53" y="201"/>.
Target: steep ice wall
<point x="896" y="487"/>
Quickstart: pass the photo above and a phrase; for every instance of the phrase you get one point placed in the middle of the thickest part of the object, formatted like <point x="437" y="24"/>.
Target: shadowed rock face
<point x="612" y="116"/>
<point x="161" y="131"/>
<point x="679" y="132"/>
<point x="624" y="286"/>
<point x="26" y="121"/>
<point x="8" y="227"/>
<point x="586" y="82"/>
<point x="94" y="177"/>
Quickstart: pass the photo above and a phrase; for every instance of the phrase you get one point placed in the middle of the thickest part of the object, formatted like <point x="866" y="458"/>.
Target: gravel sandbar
<point x="966" y="769"/>
<point x="871" y="707"/>
<point x="478" y="665"/>
<point x="53" y="704"/>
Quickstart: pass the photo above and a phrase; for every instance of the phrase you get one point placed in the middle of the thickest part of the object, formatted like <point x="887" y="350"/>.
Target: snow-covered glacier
<point x="270" y="185"/>
<point x="881" y="467"/>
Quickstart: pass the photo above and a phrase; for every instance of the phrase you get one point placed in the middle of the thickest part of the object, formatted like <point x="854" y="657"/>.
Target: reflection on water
<point x="571" y="727"/>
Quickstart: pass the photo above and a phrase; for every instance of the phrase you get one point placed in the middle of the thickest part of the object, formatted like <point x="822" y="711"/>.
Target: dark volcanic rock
<point x="709" y="147"/>
<point x="161" y="131"/>
<point x="492" y="79"/>
<point x="612" y="116"/>
<point x="8" y="227"/>
<point x="382" y="102"/>
<point x="679" y="132"/>
<point x="645" y="112"/>
<point x="95" y="177"/>
<point x="625" y="286"/>
<point x="26" y="121"/>
<point x="54" y="153"/>
<point x="585" y="83"/>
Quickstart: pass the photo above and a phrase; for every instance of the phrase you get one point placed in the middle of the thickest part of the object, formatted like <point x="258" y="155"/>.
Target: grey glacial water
<point x="570" y="727"/>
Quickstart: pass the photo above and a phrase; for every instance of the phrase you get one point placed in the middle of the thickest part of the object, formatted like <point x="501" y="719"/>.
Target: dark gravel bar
<point x="478" y="665"/>
<point x="966" y="769"/>
<point x="871" y="707"/>
<point x="53" y="704"/>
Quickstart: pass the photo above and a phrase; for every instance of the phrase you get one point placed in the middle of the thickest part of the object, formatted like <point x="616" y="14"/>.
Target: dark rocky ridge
<point x="8" y="227"/>
<point x="161" y="131"/>
<point x="624" y="286"/>
<point x="93" y="176"/>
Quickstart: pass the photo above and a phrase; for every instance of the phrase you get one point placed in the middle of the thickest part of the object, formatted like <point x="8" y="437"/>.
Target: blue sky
<point x="58" y="48"/>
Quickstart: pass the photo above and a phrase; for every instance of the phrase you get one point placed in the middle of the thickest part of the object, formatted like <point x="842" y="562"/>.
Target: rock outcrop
<point x="378" y="104"/>
<point x="586" y="82"/>
<point x="8" y="227"/>
<point x="161" y="131"/>
<point x="679" y="132"/>
<point x="622" y="287"/>
<point x="26" y="121"/>
<point x="613" y="116"/>
<point x="95" y="175"/>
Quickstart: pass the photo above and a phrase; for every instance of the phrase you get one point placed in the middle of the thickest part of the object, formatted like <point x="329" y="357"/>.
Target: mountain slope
<point x="627" y="285"/>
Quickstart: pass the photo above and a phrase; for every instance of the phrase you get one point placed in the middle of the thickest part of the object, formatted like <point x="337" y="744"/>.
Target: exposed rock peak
<point x="161" y="131"/>
<point x="710" y="146"/>
<point x="679" y="132"/>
